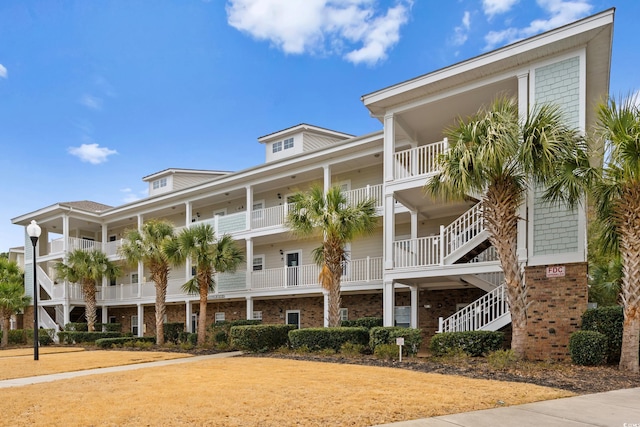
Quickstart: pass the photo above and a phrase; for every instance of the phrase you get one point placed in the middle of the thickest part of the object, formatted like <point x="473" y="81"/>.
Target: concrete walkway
<point x="17" y="382"/>
<point x="619" y="408"/>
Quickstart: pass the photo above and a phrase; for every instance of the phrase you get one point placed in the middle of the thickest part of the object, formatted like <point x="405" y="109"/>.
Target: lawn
<point x="247" y="391"/>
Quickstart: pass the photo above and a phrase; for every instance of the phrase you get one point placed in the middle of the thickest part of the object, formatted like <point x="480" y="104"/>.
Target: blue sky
<point x="94" y="95"/>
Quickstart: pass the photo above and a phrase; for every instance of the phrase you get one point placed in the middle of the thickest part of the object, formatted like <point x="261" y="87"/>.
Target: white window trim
<point x="259" y="212"/>
<point x="276" y="147"/>
<point x="344" y="314"/>
<point x="134" y="325"/>
<point x="285" y="141"/>
<point x="263" y="262"/>
<point x="286" y="317"/>
<point x="219" y="317"/>
<point x="257" y="315"/>
<point x="131" y="278"/>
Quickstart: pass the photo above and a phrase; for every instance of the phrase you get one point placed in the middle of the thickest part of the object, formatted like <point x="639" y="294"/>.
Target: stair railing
<point x="477" y="315"/>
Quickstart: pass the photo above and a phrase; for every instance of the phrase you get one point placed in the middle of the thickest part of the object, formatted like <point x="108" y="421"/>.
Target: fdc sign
<point x="556" y="271"/>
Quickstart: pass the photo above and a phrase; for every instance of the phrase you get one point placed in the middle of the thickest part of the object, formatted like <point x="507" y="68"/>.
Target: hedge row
<point x="122" y="341"/>
<point x="99" y="327"/>
<point x="259" y="338"/>
<point x="316" y="339"/>
<point x="25" y="336"/>
<point x="364" y="322"/>
<point x="77" y="337"/>
<point x="474" y="343"/>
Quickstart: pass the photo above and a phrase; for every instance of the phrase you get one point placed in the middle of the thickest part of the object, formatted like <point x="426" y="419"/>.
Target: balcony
<point x="418" y="162"/>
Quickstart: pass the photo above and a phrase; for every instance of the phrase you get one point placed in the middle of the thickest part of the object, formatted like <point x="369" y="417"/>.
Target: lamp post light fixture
<point x="33" y="230"/>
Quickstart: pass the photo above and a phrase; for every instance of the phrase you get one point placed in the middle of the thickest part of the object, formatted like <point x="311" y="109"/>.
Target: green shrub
<point x="502" y="359"/>
<point x="219" y="331"/>
<point x="588" y="348"/>
<point x="387" y="351"/>
<point x="608" y="321"/>
<point x="350" y="349"/>
<point x="259" y="338"/>
<point x="474" y="343"/>
<point x="45" y="336"/>
<point x="317" y="339"/>
<point x="387" y="335"/>
<point x="17" y="336"/>
<point x="108" y="327"/>
<point x="77" y="337"/>
<point x="123" y="341"/>
<point x="172" y="332"/>
<point x="76" y="326"/>
<point x="363" y="322"/>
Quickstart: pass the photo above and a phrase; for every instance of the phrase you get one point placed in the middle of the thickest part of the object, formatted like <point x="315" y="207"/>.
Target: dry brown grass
<point x="256" y="392"/>
<point x="19" y="363"/>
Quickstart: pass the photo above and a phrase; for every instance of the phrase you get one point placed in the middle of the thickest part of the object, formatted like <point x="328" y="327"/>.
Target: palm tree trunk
<point x="202" y="316"/>
<point x="333" y="257"/>
<point x="501" y="220"/>
<point x="630" y="251"/>
<point x="89" y="289"/>
<point x="160" y="279"/>
<point x="6" y="325"/>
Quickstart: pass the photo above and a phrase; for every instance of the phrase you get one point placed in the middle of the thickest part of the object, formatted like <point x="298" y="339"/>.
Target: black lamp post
<point x="33" y="230"/>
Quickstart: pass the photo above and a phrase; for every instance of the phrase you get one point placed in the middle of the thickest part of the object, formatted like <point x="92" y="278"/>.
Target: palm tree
<point x="615" y="189"/>
<point x="147" y="245"/>
<point x="12" y="297"/>
<point x="87" y="268"/>
<point x="209" y="256"/>
<point x="498" y="155"/>
<point x="338" y="222"/>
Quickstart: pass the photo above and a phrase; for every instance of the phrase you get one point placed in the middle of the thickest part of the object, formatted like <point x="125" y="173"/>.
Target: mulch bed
<point x="565" y="376"/>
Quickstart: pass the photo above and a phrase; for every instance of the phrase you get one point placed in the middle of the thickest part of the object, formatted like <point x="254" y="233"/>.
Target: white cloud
<point x="560" y="12"/>
<point x="3" y="71"/>
<point x="461" y="32"/>
<point x="91" y="102"/>
<point x="130" y="196"/>
<point x="91" y="153"/>
<point x="495" y="7"/>
<point x="355" y="29"/>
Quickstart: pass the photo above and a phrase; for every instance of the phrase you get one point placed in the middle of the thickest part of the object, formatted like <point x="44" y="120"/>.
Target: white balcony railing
<point x="419" y="161"/>
<point x="370" y="191"/>
<point x="421" y="252"/>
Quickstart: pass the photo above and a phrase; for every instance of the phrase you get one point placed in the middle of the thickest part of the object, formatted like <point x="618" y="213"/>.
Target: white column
<point x="523" y="108"/>
<point x="66" y="312"/>
<point x="187" y="314"/>
<point x="389" y="230"/>
<point x="65" y="234"/>
<point x="325" y="315"/>
<point x="249" y="308"/>
<point x="249" y="206"/>
<point x="249" y="257"/>
<point x="389" y="147"/>
<point x="414" y="306"/>
<point x="140" y="320"/>
<point x="388" y="303"/>
<point x="414" y="224"/>
<point x="326" y="169"/>
<point x="104" y="237"/>
<point x="188" y="213"/>
<point x="105" y="314"/>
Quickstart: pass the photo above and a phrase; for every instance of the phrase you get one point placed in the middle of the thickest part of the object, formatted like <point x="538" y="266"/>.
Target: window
<point x="258" y="209"/>
<point x="112" y="319"/>
<point x="134" y="325"/>
<point x="402" y="316"/>
<point x="344" y="314"/>
<point x="220" y="316"/>
<point x="194" y="270"/>
<point x="257" y="315"/>
<point x="277" y="146"/>
<point x="159" y="183"/>
<point x="194" y="322"/>
<point x="220" y="212"/>
<point x="288" y="143"/>
<point x="258" y="263"/>
<point x="134" y="278"/>
<point x="112" y="281"/>
<point x="113" y="238"/>
<point x="293" y="318"/>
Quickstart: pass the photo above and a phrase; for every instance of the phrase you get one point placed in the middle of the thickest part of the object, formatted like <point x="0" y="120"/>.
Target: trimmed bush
<point x="387" y="352"/>
<point x="387" y="335"/>
<point x="474" y="343"/>
<point x="75" y="326"/>
<point x="363" y="322"/>
<point x="99" y="327"/>
<point x="77" y="337"/>
<point x="17" y="336"/>
<point x="588" y="348"/>
<point x="123" y="341"/>
<point x="109" y="327"/>
<point x="609" y="322"/>
<point x="172" y="332"/>
<point x="188" y="338"/>
<point x="45" y="336"/>
<point x="259" y="338"/>
<point x="316" y="339"/>
<point x="219" y="331"/>
<point x="350" y="349"/>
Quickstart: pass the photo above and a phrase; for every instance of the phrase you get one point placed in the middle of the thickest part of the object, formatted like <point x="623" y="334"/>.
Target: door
<point x="293" y="318"/>
<point x="293" y="268"/>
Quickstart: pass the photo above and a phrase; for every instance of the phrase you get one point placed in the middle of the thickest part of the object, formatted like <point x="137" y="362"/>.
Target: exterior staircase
<point x="490" y="312"/>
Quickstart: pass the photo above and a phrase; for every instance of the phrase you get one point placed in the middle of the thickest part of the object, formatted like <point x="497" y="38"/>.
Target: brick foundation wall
<point x="556" y="310"/>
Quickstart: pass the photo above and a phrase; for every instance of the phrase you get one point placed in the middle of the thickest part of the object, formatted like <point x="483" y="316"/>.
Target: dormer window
<point x="159" y="183"/>
<point x="288" y="143"/>
<point x="277" y="146"/>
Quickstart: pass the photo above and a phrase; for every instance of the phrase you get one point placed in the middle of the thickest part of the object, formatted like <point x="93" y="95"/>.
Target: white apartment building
<point x="427" y="260"/>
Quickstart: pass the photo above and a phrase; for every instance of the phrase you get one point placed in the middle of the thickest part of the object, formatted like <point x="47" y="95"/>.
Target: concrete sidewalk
<point x="619" y="408"/>
<point x="17" y="382"/>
